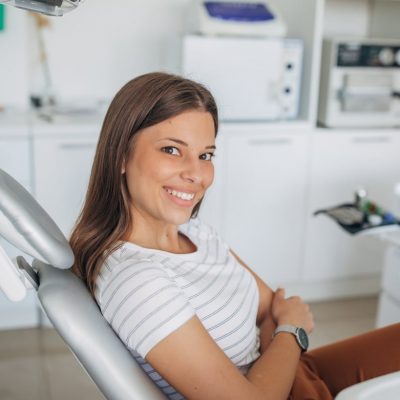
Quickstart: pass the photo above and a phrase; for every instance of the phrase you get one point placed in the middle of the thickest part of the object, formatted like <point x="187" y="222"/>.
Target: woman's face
<point x="170" y="167"/>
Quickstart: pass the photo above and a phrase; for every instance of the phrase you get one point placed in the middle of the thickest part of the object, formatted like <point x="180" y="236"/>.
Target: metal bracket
<point x="29" y="273"/>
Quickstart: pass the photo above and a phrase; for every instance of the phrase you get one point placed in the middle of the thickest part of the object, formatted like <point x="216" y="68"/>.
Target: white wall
<point x="93" y="50"/>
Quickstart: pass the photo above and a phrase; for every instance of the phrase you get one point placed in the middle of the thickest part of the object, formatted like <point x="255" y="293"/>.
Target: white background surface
<point x="95" y="49"/>
<point x="92" y="51"/>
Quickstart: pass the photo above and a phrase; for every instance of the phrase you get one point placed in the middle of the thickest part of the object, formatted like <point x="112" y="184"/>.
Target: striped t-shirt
<point x="147" y="294"/>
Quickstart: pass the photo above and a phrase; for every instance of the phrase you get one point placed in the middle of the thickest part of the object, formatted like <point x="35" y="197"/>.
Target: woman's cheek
<point x="210" y="174"/>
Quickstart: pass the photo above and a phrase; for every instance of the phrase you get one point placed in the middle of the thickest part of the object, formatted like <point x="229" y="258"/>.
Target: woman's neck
<point x="158" y="235"/>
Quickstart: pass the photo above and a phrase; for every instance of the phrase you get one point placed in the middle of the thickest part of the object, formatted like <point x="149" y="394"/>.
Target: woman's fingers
<point x="292" y="311"/>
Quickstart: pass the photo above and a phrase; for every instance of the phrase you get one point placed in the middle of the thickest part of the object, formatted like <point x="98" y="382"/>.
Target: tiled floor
<point x="36" y="365"/>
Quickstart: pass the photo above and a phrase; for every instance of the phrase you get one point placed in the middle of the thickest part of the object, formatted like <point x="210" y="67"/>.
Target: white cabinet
<point x="341" y="162"/>
<point x="62" y="165"/>
<point x="15" y="157"/>
<point x="264" y="200"/>
<point x="272" y="182"/>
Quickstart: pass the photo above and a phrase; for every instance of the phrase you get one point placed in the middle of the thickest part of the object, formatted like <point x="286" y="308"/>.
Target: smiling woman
<point x="157" y="138"/>
<point x="167" y="174"/>
<point x="199" y="322"/>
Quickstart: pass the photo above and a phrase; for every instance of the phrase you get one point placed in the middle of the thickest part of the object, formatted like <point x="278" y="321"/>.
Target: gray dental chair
<point x="75" y="314"/>
<point x="64" y="297"/>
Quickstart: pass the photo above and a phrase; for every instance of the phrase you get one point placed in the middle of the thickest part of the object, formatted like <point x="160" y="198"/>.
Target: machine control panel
<point x="368" y="55"/>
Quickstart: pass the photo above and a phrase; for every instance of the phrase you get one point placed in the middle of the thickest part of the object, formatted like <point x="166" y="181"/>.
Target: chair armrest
<point x="385" y="387"/>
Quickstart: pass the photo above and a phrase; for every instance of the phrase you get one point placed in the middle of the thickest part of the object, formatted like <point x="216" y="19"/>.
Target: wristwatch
<point x="299" y="333"/>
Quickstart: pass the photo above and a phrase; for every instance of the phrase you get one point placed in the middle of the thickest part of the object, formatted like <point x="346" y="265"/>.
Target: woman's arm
<point x="191" y="361"/>
<point x="266" y="320"/>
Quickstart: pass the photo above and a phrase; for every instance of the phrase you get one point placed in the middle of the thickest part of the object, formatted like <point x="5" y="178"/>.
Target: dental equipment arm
<point x="49" y="7"/>
<point x="25" y="224"/>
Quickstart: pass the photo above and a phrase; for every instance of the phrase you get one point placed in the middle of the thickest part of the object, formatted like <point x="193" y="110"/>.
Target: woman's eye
<point x="171" y="150"/>
<point x="207" y="156"/>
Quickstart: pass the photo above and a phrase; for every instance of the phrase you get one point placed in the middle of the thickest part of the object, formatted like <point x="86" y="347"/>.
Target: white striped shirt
<point x="147" y="294"/>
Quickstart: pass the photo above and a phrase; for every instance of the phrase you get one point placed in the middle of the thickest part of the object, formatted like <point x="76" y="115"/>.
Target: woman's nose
<point x="192" y="170"/>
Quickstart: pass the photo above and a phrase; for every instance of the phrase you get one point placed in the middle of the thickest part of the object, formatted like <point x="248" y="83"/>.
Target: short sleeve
<point x="143" y="305"/>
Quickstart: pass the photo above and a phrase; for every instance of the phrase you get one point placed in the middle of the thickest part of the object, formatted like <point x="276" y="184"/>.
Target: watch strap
<point x="285" y="328"/>
<point x="295" y="332"/>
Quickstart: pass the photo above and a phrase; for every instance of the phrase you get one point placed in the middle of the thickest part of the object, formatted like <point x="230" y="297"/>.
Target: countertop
<point x="14" y="124"/>
<point x="23" y="124"/>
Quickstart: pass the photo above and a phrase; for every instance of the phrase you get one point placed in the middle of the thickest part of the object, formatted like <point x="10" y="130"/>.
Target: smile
<point x="180" y="195"/>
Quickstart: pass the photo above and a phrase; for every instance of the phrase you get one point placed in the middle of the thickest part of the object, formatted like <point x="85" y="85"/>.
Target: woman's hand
<point x="291" y="311"/>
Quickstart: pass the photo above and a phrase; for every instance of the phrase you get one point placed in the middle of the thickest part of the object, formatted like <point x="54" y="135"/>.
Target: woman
<point x="195" y="317"/>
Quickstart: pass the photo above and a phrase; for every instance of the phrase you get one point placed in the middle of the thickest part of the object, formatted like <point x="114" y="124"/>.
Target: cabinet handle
<point x="75" y="146"/>
<point x="375" y="139"/>
<point x="268" y="142"/>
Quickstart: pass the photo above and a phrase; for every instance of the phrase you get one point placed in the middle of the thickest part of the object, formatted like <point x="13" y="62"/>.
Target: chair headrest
<point x="25" y="224"/>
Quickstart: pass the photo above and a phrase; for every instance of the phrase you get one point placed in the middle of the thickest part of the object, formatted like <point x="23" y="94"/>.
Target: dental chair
<point x="74" y="313"/>
<point x="64" y="297"/>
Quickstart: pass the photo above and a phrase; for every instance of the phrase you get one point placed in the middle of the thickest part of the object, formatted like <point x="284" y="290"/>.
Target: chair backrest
<point x="78" y="320"/>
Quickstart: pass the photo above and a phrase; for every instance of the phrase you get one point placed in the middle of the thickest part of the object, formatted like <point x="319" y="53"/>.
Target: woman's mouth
<point x="180" y="195"/>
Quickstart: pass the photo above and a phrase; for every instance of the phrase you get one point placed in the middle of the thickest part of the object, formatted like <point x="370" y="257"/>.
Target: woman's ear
<point x="123" y="168"/>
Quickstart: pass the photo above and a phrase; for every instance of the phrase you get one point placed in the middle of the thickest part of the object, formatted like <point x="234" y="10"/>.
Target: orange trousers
<point x="325" y="371"/>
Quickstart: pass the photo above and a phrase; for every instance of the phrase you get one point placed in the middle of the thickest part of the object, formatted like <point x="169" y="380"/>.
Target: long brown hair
<point x="105" y="217"/>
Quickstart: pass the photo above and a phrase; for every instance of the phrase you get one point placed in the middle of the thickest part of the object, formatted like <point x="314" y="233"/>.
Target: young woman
<point x="194" y="316"/>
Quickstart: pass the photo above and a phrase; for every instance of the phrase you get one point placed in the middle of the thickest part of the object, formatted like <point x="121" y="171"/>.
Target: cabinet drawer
<point x="265" y="189"/>
<point x="15" y="159"/>
<point x="62" y="170"/>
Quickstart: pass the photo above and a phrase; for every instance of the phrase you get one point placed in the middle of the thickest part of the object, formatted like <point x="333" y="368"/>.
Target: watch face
<point x="303" y="338"/>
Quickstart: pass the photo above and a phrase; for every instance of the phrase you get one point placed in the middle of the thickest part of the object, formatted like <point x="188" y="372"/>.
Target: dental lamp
<point x="49" y="7"/>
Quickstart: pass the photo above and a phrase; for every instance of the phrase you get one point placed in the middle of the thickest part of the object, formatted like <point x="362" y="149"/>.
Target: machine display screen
<point x="235" y="11"/>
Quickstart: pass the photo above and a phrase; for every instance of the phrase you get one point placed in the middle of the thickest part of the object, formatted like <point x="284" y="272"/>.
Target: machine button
<point x="386" y="56"/>
<point x="397" y="57"/>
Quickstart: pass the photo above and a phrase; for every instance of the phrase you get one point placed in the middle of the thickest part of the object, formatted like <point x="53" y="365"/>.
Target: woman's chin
<point x="181" y="219"/>
<point x="178" y="217"/>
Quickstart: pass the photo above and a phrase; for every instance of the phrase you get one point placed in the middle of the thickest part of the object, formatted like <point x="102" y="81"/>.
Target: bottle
<point x="360" y="197"/>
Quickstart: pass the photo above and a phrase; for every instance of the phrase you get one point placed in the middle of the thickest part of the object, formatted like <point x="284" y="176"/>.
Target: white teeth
<point x="181" y="195"/>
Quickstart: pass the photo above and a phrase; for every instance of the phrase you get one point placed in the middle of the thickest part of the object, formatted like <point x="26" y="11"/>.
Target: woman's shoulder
<point x="121" y="261"/>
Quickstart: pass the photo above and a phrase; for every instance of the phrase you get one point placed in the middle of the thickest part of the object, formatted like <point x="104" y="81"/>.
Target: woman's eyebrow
<point x="185" y="144"/>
